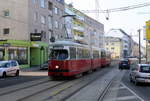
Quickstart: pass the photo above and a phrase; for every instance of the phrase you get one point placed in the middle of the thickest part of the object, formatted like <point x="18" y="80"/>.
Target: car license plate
<point x="147" y="80"/>
<point x="124" y="64"/>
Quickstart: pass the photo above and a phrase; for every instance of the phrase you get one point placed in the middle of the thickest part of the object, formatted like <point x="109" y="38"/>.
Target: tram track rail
<point x="55" y="88"/>
<point x="104" y="92"/>
<point x="43" y="90"/>
<point x="77" y="90"/>
<point x="21" y="88"/>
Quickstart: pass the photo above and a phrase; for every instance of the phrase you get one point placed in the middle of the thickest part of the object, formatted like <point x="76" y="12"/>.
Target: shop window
<point x="1" y="54"/>
<point x="19" y="54"/>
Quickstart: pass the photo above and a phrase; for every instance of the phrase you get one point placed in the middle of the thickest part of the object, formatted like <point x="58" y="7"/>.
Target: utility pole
<point x="139" y="31"/>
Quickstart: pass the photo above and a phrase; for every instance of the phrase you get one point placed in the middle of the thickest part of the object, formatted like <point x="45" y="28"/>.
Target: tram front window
<point x="59" y="54"/>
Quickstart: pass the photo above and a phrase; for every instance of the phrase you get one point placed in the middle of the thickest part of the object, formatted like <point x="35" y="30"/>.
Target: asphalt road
<point x="24" y="77"/>
<point x="142" y="90"/>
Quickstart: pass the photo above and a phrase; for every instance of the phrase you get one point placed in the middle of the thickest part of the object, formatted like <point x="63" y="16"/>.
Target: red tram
<point x="70" y="59"/>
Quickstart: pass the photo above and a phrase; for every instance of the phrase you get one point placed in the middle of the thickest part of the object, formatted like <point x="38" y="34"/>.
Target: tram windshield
<point x="59" y="54"/>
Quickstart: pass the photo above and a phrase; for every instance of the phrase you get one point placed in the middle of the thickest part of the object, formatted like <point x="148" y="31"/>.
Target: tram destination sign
<point x="58" y="47"/>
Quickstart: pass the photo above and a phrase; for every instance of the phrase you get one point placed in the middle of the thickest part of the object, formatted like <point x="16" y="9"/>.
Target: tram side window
<point x="79" y="53"/>
<point x="103" y="54"/>
<point x="86" y="54"/>
<point x="95" y="54"/>
<point x="72" y="53"/>
<point x="83" y="53"/>
<point x="59" y="54"/>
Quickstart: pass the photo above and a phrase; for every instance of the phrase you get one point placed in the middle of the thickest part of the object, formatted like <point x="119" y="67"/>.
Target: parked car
<point x="124" y="64"/>
<point x="44" y="66"/>
<point x="140" y="74"/>
<point x="9" y="68"/>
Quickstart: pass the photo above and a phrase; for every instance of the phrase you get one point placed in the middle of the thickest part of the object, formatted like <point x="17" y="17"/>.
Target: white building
<point x="82" y="28"/>
<point x="127" y="41"/>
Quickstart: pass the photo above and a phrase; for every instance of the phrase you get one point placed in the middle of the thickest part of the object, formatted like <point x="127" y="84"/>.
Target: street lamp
<point x="64" y="16"/>
<point x="139" y="31"/>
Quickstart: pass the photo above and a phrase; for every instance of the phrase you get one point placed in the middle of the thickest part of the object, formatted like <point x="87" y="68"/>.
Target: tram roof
<point x="68" y="43"/>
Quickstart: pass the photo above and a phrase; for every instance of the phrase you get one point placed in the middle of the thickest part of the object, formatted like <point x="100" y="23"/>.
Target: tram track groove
<point x="104" y="92"/>
<point x="21" y="88"/>
<point x="83" y="86"/>
<point x="78" y="89"/>
<point x="57" y="90"/>
<point x="43" y="90"/>
<point x="23" y="93"/>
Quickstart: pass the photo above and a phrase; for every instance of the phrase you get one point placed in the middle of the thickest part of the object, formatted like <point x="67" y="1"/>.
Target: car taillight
<point x="138" y="69"/>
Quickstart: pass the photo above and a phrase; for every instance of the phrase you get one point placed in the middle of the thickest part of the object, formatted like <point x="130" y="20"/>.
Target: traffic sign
<point x="148" y="30"/>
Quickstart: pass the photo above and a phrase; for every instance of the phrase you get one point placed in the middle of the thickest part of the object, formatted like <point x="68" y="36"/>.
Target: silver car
<point x="9" y="68"/>
<point x="140" y="74"/>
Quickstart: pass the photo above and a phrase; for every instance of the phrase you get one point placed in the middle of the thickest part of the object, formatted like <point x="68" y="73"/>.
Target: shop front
<point x="39" y="53"/>
<point x="26" y="53"/>
<point x="15" y="50"/>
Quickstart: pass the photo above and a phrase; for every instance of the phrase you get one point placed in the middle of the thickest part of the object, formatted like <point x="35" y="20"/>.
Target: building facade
<point x="115" y="46"/>
<point x="82" y="28"/>
<point x="26" y="28"/>
<point x="126" y="39"/>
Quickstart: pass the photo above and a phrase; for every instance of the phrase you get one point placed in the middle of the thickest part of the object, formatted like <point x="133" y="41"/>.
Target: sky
<point x="130" y="21"/>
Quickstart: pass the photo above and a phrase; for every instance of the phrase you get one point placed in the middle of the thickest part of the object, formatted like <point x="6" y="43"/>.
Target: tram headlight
<point x="56" y="67"/>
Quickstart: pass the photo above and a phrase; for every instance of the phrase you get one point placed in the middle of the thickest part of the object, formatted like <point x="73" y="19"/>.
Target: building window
<point x="56" y="24"/>
<point x="35" y="30"/>
<point x="112" y="48"/>
<point x="34" y="1"/>
<point x="112" y="43"/>
<point x="6" y="13"/>
<point x="42" y="3"/>
<point x="43" y="34"/>
<point x="61" y="26"/>
<point x="50" y="6"/>
<point x="50" y="35"/>
<point x="35" y="16"/>
<point x="43" y="19"/>
<point x="6" y="31"/>
<point x="50" y="22"/>
<point x="56" y="10"/>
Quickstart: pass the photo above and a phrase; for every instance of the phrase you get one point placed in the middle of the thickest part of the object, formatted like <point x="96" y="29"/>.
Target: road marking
<point x="132" y="92"/>
<point x="119" y="88"/>
<point x="126" y="98"/>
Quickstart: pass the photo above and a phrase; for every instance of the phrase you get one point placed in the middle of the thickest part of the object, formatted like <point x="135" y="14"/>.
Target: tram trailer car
<point x="96" y="58"/>
<point x="105" y="58"/>
<point x="69" y="59"/>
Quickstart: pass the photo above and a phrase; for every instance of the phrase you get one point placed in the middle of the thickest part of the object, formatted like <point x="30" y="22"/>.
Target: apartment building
<point x="27" y="27"/>
<point x="115" y="46"/>
<point x="82" y="28"/>
<point x="127" y="40"/>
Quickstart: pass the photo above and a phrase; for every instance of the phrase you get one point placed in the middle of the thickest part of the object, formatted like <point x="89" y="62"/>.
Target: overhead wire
<point x="117" y="9"/>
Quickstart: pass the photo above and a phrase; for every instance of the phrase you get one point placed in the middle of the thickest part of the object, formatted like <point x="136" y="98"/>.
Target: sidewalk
<point x="30" y="69"/>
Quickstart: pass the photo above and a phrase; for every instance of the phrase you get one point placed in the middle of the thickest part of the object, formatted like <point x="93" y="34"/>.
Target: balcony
<point x="78" y="28"/>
